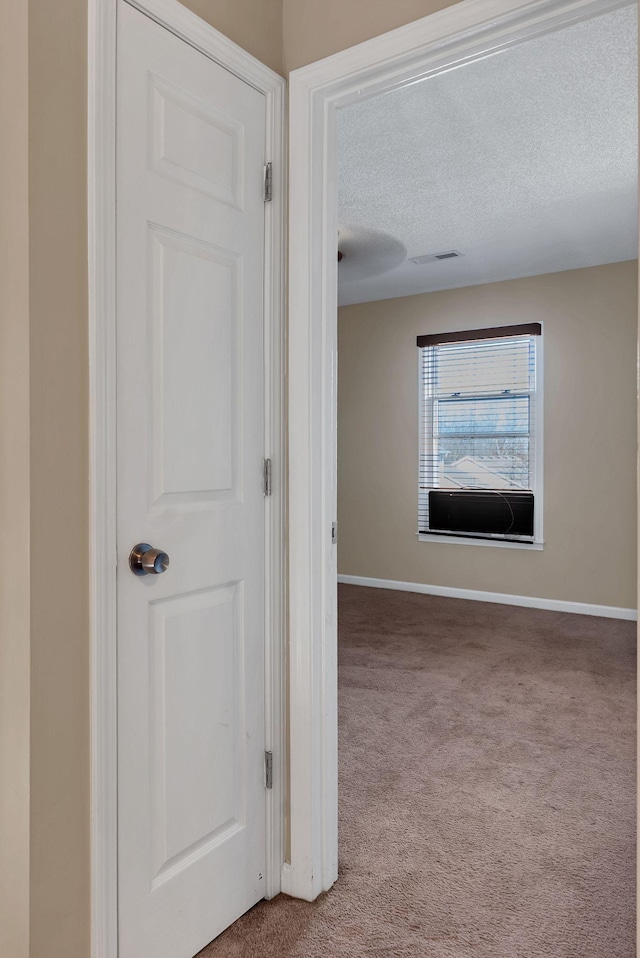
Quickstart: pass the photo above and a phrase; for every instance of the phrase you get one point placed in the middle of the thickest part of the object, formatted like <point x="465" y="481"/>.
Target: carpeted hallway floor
<point x="487" y="760"/>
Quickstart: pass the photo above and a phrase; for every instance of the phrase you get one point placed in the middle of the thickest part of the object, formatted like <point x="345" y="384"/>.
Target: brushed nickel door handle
<point x="143" y="560"/>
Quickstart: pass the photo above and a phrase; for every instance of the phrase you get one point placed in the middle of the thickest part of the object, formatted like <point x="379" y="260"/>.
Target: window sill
<point x="470" y="541"/>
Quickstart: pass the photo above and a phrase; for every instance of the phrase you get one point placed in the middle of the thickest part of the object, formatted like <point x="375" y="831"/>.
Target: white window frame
<point x="537" y="544"/>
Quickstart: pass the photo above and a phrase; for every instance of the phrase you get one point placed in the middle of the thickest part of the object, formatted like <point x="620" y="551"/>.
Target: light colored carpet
<point x="487" y="793"/>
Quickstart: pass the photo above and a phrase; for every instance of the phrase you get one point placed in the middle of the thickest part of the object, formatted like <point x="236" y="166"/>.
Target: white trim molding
<point x="501" y="598"/>
<point x="459" y="34"/>
<point x="102" y="390"/>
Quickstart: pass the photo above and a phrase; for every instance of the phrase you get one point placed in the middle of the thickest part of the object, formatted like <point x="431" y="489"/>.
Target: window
<point x="479" y="426"/>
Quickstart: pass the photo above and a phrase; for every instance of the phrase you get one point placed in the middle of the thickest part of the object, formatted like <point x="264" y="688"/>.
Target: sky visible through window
<point x="481" y="412"/>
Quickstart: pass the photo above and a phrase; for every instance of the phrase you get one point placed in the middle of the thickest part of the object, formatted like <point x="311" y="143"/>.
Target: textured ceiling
<point x="525" y="162"/>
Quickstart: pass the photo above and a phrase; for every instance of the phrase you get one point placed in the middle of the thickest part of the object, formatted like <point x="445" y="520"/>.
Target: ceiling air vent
<point x="434" y="257"/>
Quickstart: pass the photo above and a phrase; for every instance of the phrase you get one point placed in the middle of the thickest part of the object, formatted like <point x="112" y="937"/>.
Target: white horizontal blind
<point x="477" y="416"/>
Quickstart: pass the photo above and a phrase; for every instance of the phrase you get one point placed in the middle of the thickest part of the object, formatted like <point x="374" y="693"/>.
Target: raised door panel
<point x="195" y="144"/>
<point x="197" y="725"/>
<point x="195" y="328"/>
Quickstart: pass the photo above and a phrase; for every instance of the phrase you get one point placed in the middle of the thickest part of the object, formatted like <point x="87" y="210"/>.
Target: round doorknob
<point x="143" y="560"/>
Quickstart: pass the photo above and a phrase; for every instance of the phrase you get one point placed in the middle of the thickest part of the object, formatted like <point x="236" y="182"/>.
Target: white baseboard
<point x="502" y="598"/>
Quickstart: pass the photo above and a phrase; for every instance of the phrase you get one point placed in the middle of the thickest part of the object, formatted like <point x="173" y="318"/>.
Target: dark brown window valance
<point x="469" y="335"/>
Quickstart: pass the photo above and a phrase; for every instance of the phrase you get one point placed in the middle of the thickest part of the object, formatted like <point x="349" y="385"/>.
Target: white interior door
<point x="190" y="237"/>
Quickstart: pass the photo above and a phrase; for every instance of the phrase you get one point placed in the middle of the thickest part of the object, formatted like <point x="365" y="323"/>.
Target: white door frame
<point x="101" y="184"/>
<point x="461" y="33"/>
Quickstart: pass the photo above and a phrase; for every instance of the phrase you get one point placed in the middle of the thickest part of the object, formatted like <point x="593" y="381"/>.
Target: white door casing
<point x="190" y="451"/>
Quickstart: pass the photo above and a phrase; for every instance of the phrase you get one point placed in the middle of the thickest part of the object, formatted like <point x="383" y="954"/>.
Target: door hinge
<point x="266" y="477"/>
<point x="268" y="769"/>
<point x="267" y="191"/>
<point x="334" y="533"/>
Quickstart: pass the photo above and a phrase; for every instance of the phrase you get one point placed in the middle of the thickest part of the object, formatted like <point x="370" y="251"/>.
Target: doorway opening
<point x="487" y="289"/>
<point x="375" y="509"/>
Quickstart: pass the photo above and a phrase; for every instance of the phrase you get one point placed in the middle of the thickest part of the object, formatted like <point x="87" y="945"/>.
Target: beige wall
<point x="314" y="29"/>
<point x="590" y="321"/>
<point x="14" y="484"/>
<point x="255" y="25"/>
<point x="59" y="473"/>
